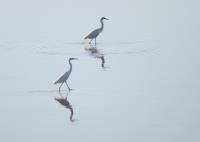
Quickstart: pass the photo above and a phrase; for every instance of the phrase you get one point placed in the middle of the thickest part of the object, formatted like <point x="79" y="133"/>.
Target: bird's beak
<point x="75" y="59"/>
<point x="106" y="18"/>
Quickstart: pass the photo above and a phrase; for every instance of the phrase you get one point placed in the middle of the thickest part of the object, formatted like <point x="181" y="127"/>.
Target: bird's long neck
<point x="102" y="25"/>
<point x="70" y="69"/>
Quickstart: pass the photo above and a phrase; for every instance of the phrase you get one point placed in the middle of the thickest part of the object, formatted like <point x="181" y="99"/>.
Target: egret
<point x="95" y="33"/>
<point x="65" y="76"/>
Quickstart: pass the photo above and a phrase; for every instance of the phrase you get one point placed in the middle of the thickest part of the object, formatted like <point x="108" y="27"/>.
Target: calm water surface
<point x="134" y="91"/>
<point x="141" y="84"/>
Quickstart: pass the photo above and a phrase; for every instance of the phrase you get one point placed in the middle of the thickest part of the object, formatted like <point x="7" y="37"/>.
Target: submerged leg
<point x="67" y="95"/>
<point x="61" y="95"/>
<point x="90" y="41"/>
<point x="60" y="87"/>
<point x="68" y="86"/>
<point x="95" y="42"/>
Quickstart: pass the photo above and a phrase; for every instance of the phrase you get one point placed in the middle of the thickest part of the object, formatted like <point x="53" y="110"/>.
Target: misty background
<point x="149" y="90"/>
<point x="130" y="20"/>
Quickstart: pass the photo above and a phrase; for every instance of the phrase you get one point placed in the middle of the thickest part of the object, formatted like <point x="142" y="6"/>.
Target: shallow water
<point x="141" y="83"/>
<point x="142" y="92"/>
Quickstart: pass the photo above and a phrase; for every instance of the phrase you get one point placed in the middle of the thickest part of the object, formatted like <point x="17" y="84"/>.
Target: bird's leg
<point x="90" y="41"/>
<point x="60" y="87"/>
<point x="60" y="95"/>
<point x="67" y="95"/>
<point x="68" y="86"/>
<point x="95" y="42"/>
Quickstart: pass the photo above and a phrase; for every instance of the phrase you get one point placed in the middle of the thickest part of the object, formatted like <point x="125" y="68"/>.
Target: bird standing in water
<point x="95" y="33"/>
<point x="65" y="76"/>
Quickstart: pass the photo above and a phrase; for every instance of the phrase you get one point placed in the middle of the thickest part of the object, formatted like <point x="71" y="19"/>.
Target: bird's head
<point x="73" y="59"/>
<point x="104" y="18"/>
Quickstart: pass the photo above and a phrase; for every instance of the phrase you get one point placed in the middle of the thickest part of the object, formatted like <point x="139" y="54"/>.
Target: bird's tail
<point x="55" y="82"/>
<point x="86" y="37"/>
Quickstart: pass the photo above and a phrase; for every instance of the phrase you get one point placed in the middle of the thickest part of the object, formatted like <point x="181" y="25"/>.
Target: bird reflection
<point x="102" y="61"/>
<point x="94" y="52"/>
<point x="64" y="102"/>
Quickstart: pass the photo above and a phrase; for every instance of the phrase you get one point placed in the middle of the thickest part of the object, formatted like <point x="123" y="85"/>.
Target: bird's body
<point x="94" y="34"/>
<point x="65" y="76"/>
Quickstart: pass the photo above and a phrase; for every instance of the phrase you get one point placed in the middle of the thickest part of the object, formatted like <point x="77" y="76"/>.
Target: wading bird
<point x="65" y="76"/>
<point x="95" y="33"/>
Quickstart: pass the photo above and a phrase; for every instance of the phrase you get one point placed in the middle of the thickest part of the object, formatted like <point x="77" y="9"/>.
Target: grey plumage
<point x="94" y="34"/>
<point x="65" y="76"/>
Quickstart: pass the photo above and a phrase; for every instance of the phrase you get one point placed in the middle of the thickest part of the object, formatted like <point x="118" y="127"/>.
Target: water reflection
<point x="64" y="102"/>
<point x="94" y="52"/>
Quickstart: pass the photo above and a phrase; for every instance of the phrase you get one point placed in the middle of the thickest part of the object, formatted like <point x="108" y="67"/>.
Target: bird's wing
<point x="62" y="79"/>
<point x="93" y="34"/>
